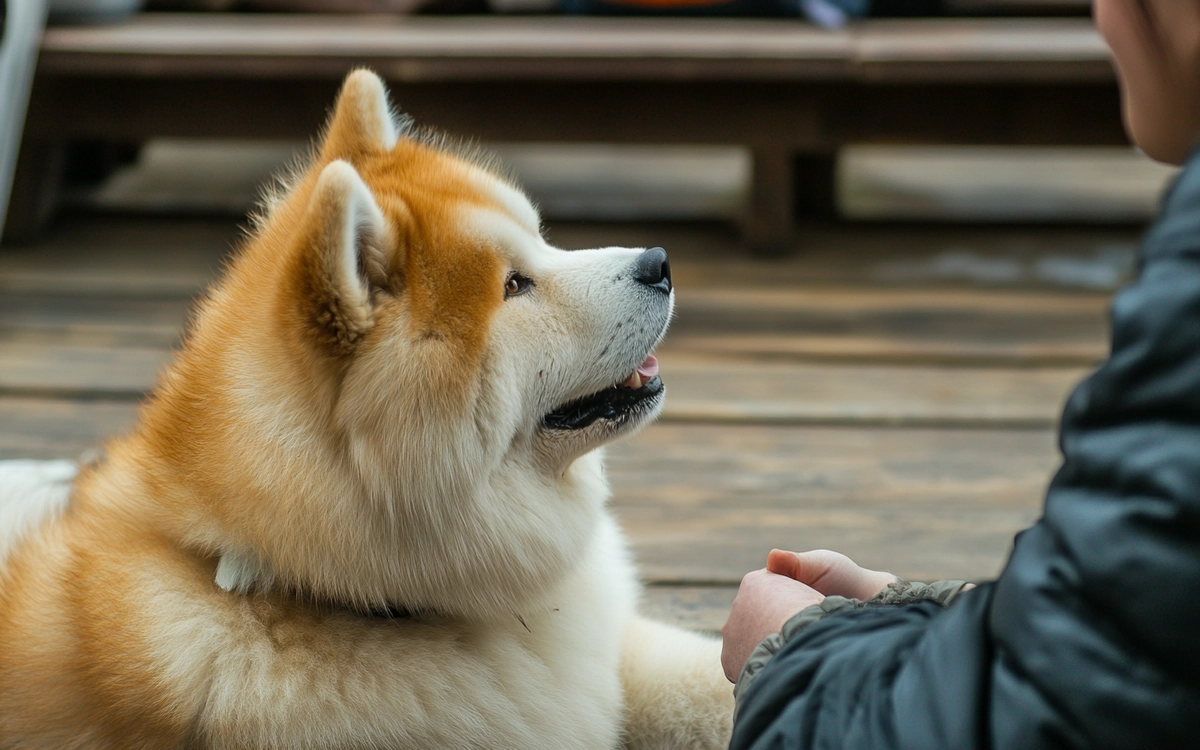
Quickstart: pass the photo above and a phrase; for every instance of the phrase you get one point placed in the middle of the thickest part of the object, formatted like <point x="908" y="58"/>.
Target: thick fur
<point x="339" y="521"/>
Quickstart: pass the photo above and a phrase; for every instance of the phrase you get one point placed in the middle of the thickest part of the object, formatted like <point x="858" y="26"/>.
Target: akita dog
<point x="365" y="507"/>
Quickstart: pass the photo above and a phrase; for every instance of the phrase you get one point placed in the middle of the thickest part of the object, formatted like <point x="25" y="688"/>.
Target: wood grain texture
<point x="703" y="504"/>
<point x="707" y="390"/>
<point x="421" y="49"/>
<point x="159" y="257"/>
<point x="59" y="428"/>
<point x="718" y="546"/>
<point x="702" y="608"/>
<point x="80" y="371"/>
<point x="867" y="349"/>
<point x="96" y="320"/>
<point x="754" y="466"/>
<point x="873" y="324"/>
<point x="982" y="50"/>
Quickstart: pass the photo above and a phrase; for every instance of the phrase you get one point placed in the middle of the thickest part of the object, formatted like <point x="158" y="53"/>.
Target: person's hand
<point x="764" y="602"/>
<point x="831" y="573"/>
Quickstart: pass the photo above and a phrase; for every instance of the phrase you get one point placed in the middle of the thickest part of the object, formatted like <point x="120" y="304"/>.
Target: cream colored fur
<point x="31" y="493"/>
<point x="355" y="425"/>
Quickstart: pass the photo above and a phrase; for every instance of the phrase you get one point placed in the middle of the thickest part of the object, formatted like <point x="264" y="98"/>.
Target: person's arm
<point x="1088" y="637"/>
<point x="898" y="592"/>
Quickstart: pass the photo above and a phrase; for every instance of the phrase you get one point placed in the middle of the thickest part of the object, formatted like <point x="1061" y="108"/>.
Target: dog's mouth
<point x="616" y="403"/>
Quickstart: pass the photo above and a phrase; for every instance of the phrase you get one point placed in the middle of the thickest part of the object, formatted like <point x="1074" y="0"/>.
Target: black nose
<point x="654" y="270"/>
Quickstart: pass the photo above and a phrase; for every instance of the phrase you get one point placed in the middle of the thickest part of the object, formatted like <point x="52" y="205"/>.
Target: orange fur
<point x="345" y="423"/>
<point x="73" y="599"/>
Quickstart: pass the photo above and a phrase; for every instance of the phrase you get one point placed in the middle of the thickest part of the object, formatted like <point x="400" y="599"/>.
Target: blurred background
<point x="894" y="229"/>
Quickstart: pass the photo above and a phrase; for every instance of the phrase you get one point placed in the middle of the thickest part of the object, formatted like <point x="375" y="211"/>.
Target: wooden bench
<point x="791" y="93"/>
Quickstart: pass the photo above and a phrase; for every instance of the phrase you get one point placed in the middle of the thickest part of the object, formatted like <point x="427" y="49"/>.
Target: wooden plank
<point x="682" y="466"/>
<point x="703" y="390"/>
<point x="718" y="546"/>
<point x="696" y="607"/>
<point x="121" y="256"/>
<point x="1020" y="7"/>
<point x="843" y="299"/>
<point x="414" y="49"/>
<point x="893" y="325"/>
<point x="57" y="428"/>
<point x="79" y="371"/>
<point x="769" y="220"/>
<point x="395" y="34"/>
<point x="976" y="50"/>
<point x="894" y="350"/>
<point x="703" y="504"/>
<point x="96" y="320"/>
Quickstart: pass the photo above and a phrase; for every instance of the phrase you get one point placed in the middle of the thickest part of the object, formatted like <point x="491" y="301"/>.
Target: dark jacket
<point x="1091" y="635"/>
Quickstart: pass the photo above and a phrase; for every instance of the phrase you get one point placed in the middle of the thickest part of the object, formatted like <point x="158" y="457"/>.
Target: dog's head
<point x="422" y="368"/>
<point x="423" y="281"/>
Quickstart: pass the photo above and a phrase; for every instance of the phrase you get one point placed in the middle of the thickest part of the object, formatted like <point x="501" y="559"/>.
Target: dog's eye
<point x="517" y="284"/>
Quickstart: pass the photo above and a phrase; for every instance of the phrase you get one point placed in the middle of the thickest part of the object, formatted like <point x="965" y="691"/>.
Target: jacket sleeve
<point x="901" y="592"/>
<point x="1088" y="638"/>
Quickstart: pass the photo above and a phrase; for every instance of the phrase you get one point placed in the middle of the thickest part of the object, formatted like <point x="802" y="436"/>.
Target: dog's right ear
<point x="345" y="241"/>
<point x="362" y="120"/>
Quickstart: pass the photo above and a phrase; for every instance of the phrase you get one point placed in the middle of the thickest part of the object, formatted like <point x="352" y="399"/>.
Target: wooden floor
<point x="858" y="397"/>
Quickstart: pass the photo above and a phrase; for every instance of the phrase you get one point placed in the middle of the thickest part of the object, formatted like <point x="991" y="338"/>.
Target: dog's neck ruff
<point x="241" y="574"/>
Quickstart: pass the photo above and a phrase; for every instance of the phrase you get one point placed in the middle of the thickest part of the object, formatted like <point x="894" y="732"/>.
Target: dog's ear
<point x="345" y="241"/>
<point x="362" y="120"/>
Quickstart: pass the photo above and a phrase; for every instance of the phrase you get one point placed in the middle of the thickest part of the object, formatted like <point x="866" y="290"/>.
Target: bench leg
<point x="815" y="186"/>
<point x="35" y="190"/>
<point x="769" y="220"/>
<point x="786" y="187"/>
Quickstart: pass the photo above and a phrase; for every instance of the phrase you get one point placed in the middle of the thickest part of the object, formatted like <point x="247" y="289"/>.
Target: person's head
<point x="1156" y="47"/>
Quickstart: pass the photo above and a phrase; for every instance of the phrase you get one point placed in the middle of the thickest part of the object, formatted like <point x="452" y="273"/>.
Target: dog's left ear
<point x="343" y="259"/>
<point x="362" y="120"/>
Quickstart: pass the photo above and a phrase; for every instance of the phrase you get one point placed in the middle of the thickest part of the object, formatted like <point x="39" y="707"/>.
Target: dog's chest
<point x="546" y="677"/>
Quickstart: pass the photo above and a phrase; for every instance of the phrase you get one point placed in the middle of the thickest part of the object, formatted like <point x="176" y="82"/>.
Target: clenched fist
<point x="764" y="602"/>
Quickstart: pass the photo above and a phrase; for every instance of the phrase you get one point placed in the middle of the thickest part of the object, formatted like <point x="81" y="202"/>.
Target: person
<point x="1088" y="638"/>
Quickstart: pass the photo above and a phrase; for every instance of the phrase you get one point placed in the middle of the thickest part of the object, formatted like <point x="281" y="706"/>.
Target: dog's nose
<point x="654" y="270"/>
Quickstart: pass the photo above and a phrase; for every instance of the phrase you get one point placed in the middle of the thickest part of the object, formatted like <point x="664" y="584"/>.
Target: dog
<point x="365" y="506"/>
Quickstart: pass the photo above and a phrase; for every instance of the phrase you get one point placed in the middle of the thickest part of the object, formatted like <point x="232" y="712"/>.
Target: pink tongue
<point x="649" y="368"/>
